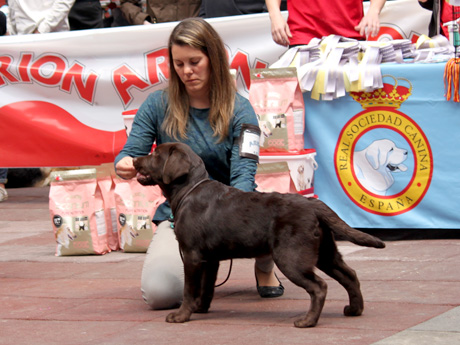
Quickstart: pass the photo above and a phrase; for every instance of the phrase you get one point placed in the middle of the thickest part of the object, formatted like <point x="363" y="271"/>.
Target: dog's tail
<point x="343" y="231"/>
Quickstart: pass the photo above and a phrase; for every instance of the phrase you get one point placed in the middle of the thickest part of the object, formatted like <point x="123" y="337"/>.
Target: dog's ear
<point x="177" y="164"/>
<point x="372" y="156"/>
<point x="375" y="156"/>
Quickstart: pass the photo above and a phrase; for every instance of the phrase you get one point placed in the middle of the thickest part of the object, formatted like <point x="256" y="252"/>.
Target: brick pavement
<point x="411" y="291"/>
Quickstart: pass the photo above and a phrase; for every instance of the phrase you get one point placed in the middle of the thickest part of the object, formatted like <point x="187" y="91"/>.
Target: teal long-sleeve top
<point x="222" y="159"/>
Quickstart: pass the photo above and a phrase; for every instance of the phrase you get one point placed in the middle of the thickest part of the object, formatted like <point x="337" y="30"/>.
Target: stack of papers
<point x="392" y="51"/>
<point x="299" y="55"/>
<point x="406" y="47"/>
<point x="435" y="49"/>
<point x="386" y="50"/>
<point x="339" y="70"/>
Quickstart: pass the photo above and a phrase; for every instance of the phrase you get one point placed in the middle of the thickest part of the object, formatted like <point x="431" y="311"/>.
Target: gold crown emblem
<point x="391" y="95"/>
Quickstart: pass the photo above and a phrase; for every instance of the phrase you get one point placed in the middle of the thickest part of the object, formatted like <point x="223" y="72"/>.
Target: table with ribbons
<point x="386" y="136"/>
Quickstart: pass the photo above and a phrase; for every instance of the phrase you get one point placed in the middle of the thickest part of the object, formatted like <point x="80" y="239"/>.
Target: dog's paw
<point x="177" y="317"/>
<point x="352" y="311"/>
<point x="304" y="323"/>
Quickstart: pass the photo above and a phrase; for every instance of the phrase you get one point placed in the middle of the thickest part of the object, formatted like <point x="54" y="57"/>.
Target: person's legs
<point x="268" y="284"/>
<point x="86" y="15"/>
<point x="265" y="264"/>
<point x="3" y="175"/>
<point x="162" y="281"/>
<point x="3" y="180"/>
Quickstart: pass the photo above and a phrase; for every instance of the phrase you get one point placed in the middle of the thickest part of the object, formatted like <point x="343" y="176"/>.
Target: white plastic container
<point x="302" y="166"/>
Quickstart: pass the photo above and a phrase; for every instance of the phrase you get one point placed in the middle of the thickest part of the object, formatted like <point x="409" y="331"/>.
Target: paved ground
<point x="411" y="291"/>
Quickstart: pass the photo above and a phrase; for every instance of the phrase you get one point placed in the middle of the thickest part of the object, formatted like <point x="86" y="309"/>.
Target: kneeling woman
<point x="200" y="107"/>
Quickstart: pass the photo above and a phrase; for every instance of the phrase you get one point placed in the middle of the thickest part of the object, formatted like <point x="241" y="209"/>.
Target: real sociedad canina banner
<point x="388" y="158"/>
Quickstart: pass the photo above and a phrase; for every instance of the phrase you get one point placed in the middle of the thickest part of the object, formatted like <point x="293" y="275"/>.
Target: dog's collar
<point x="189" y="191"/>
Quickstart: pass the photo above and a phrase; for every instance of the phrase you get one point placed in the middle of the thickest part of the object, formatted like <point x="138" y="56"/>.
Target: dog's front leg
<point x="193" y="271"/>
<point x="208" y="283"/>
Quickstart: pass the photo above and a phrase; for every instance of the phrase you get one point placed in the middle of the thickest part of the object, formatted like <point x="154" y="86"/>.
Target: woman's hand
<point x="280" y="31"/>
<point x="369" y="25"/>
<point x="125" y="168"/>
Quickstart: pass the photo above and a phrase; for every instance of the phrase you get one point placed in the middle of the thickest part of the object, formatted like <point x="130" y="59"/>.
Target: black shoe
<point x="270" y="291"/>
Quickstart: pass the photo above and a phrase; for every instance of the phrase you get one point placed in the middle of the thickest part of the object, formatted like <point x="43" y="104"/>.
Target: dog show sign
<point x="65" y="94"/>
<point x="365" y="165"/>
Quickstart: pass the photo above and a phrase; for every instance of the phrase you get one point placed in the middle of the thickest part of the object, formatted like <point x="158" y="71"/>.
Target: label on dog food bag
<point x="136" y="204"/>
<point x="274" y="177"/>
<point x="77" y="213"/>
<point x="278" y="102"/>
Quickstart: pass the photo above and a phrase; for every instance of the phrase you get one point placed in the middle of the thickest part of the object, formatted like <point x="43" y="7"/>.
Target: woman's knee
<point x="162" y="281"/>
<point x="162" y="290"/>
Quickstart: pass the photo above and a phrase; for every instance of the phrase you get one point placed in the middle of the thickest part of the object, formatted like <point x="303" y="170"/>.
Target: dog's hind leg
<point x="330" y="262"/>
<point x="208" y="282"/>
<point x="300" y="272"/>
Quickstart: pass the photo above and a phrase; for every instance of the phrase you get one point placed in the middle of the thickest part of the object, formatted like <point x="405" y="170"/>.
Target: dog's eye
<point x="392" y="149"/>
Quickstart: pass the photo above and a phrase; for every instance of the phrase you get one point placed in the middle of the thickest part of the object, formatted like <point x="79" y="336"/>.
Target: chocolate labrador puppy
<point x="214" y="222"/>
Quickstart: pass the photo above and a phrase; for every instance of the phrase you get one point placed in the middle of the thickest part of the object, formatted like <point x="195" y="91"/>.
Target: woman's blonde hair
<point x="199" y="34"/>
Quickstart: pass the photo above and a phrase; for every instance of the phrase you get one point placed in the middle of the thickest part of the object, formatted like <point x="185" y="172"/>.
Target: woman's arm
<point x="59" y="11"/>
<point x="141" y="138"/>
<point x="132" y="12"/>
<point x="280" y="30"/>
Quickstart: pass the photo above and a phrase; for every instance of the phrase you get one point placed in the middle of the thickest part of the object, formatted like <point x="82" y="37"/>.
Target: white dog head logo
<point x="375" y="164"/>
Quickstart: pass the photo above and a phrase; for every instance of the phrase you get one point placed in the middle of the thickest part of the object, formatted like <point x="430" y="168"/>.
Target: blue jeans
<point x="3" y="174"/>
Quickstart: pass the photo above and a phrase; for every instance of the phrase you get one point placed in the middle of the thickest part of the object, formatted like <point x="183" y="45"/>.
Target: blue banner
<point x="389" y="158"/>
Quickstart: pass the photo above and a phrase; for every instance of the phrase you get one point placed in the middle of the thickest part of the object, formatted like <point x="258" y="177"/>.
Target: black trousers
<point x="86" y="14"/>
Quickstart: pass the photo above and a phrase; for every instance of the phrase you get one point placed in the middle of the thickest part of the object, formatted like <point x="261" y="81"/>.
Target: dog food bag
<point x="274" y="177"/>
<point x="77" y="213"/>
<point x="107" y="187"/>
<point x="135" y="205"/>
<point x="277" y="100"/>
